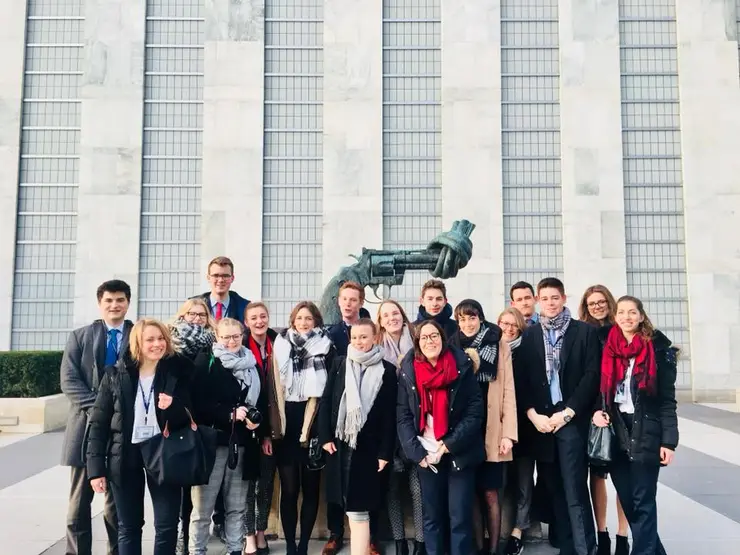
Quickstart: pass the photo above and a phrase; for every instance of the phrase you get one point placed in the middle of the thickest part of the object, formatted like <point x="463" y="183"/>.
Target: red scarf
<point x="432" y="382"/>
<point x="616" y="359"/>
<point x="257" y="352"/>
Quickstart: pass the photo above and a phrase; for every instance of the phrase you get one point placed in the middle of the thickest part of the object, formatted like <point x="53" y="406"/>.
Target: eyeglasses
<point x="507" y="325"/>
<point x="601" y="304"/>
<point x="201" y="315"/>
<point x="227" y="338"/>
<point x="432" y="337"/>
<point x="220" y="276"/>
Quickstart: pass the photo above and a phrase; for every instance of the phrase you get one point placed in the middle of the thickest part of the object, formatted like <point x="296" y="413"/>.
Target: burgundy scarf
<point x="432" y="382"/>
<point x="616" y="359"/>
<point x="257" y="352"/>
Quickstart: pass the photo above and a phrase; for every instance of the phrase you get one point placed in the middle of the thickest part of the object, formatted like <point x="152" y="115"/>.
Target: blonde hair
<point x="254" y="305"/>
<point x="188" y="305"/>
<point x="405" y="319"/>
<point x="136" y="339"/>
<point x="225" y="322"/>
<point x="520" y="323"/>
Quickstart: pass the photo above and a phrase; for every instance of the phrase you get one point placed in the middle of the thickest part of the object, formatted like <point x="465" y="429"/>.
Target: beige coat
<point x="500" y="404"/>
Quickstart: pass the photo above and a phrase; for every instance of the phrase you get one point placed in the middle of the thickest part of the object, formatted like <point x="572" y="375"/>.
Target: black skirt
<point x="288" y="450"/>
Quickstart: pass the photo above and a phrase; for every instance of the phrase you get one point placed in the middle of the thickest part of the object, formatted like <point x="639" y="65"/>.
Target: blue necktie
<point x="111" y="350"/>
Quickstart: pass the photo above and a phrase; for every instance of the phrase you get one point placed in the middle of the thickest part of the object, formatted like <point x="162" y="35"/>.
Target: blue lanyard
<point x="146" y="400"/>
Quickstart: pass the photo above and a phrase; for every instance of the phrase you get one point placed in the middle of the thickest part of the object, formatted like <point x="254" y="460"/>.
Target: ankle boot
<point x="402" y="547"/>
<point x="623" y="546"/>
<point x="605" y="544"/>
<point x="420" y="548"/>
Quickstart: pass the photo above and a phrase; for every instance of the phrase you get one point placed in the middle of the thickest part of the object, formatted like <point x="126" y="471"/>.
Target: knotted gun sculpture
<point x="444" y="257"/>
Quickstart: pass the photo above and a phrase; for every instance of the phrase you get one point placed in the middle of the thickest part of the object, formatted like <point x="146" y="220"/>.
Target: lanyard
<point x="146" y="400"/>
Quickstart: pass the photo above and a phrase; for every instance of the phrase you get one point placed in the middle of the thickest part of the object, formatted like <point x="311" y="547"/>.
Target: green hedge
<point x="29" y="373"/>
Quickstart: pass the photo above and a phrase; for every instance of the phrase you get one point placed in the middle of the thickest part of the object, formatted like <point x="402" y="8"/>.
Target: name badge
<point x="621" y="394"/>
<point x="143" y="432"/>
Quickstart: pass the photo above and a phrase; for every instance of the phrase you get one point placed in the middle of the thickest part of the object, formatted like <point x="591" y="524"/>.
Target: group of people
<point x="451" y="407"/>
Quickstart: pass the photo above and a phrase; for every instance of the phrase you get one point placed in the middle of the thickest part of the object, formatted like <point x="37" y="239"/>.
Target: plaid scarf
<point x="190" y="339"/>
<point x="487" y="352"/>
<point x="616" y="359"/>
<point x="560" y="325"/>
<point x="301" y="359"/>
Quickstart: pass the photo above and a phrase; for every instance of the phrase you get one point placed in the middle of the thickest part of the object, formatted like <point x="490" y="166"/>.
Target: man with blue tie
<point x="88" y="351"/>
<point x="557" y="384"/>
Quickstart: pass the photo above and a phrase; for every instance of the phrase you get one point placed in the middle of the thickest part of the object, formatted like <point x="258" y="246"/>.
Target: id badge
<point x="621" y="394"/>
<point x="143" y="432"/>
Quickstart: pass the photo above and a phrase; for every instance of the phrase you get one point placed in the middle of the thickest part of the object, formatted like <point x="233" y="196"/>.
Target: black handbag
<point x="182" y="458"/>
<point x="316" y="459"/>
<point x="600" y="444"/>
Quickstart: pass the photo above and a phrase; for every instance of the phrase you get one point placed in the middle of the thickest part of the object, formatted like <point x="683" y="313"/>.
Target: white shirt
<point x="144" y="418"/>
<point x="624" y="399"/>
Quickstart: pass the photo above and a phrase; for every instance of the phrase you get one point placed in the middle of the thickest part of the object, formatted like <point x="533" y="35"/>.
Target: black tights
<point x="490" y="510"/>
<point x="295" y="478"/>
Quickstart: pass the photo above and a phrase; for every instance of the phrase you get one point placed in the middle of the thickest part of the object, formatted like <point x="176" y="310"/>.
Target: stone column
<point x="710" y="119"/>
<point x="353" y="138"/>
<point x="109" y="197"/>
<point x="591" y="147"/>
<point x="233" y="139"/>
<point x="12" y="44"/>
<point x="471" y="144"/>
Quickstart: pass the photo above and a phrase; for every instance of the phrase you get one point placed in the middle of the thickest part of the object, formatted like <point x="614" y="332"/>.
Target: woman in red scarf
<point x="440" y="413"/>
<point x="638" y="390"/>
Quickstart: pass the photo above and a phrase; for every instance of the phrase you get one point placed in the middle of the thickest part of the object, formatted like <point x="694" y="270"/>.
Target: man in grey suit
<point x="88" y="351"/>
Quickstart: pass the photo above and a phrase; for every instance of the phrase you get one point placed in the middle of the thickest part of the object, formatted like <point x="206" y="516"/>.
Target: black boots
<point x="623" y="546"/>
<point x="420" y="548"/>
<point x="402" y="547"/>
<point x="605" y="544"/>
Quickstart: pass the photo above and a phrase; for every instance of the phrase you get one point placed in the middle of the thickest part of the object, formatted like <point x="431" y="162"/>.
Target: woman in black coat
<point x="226" y="389"/>
<point x="440" y="413"/>
<point x="638" y="387"/>
<point x="357" y="430"/>
<point x="143" y="395"/>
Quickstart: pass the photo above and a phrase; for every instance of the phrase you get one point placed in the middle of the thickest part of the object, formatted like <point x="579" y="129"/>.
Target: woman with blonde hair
<point x="142" y="394"/>
<point x="396" y="338"/>
<point x="193" y="328"/>
<point x="598" y="308"/>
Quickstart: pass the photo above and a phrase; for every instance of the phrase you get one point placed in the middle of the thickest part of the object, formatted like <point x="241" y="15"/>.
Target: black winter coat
<point x="463" y="440"/>
<point x="216" y="394"/>
<point x="655" y="421"/>
<point x="580" y="375"/>
<point x="351" y="477"/>
<point x="444" y="319"/>
<point x="112" y="419"/>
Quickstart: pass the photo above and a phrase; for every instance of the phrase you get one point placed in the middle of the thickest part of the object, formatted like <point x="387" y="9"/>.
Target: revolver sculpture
<point x="444" y="257"/>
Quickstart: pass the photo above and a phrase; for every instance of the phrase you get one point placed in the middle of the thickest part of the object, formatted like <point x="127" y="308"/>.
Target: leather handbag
<point x="600" y="444"/>
<point x="316" y="459"/>
<point x="182" y="458"/>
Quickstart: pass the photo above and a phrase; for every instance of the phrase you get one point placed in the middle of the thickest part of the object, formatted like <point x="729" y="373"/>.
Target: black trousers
<point x="335" y="521"/>
<point x="448" y="498"/>
<point x="567" y="481"/>
<point x="130" y="503"/>
<point x="79" y="516"/>
<point x="637" y="486"/>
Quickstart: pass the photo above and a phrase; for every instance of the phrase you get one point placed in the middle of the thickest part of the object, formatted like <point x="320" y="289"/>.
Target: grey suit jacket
<point x="80" y="374"/>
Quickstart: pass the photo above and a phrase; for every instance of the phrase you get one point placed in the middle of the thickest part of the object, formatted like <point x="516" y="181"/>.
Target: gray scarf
<point x="190" y="339"/>
<point x="301" y="359"/>
<point x="393" y="352"/>
<point x="559" y="325"/>
<point x="514" y="343"/>
<point x="243" y="366"/>
<point x="362" y="381"/>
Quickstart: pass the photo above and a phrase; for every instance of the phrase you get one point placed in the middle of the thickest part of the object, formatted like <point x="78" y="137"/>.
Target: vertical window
<point x="293" y="170"/>
<point x="43" y="293"/>
<point x="169" y="262"/>
<point x="412" y="124"/>
<point x="530" y="114"/>
<point x="653" y="184"/>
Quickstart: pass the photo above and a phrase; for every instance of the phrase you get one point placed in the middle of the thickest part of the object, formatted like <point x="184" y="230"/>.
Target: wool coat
<point x="109" y="450"/>
<point x="80" y="374"/>
<point x="501" y="412"/>
<point x="351" y="476"/>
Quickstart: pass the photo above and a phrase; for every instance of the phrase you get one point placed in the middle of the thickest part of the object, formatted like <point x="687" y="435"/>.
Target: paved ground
<point x="699" y="495"/>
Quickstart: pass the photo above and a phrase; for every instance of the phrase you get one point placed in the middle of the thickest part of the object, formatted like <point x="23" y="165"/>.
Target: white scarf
<point x="301" y="361"/>
<point x="243" y="366"/>
<point x="362" y="381"/>
<point x="393" y="352"/>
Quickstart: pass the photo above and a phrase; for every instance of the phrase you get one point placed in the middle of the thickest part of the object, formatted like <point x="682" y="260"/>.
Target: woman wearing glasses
<point x="599" y="309"/>
<point x="225" y="389"/>
<point x="440" y="413"/>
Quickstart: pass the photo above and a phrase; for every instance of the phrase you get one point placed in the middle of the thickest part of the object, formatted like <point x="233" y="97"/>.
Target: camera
<point x="253" y="415"/>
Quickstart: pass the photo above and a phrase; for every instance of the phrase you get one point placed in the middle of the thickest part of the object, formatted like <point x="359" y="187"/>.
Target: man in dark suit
<point x="558" y="385"/>
<point x="88" y="351"/>
<point x="224" y="302"/>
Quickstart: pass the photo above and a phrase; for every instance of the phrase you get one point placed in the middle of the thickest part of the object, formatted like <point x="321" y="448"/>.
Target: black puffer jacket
<point x="112" y="419"/>
<point x="655" y="421"/>
<point x="463" y="440"/>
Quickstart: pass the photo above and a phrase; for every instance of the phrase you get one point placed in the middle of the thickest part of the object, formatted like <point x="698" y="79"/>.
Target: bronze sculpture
<point x="444" y="257"/>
